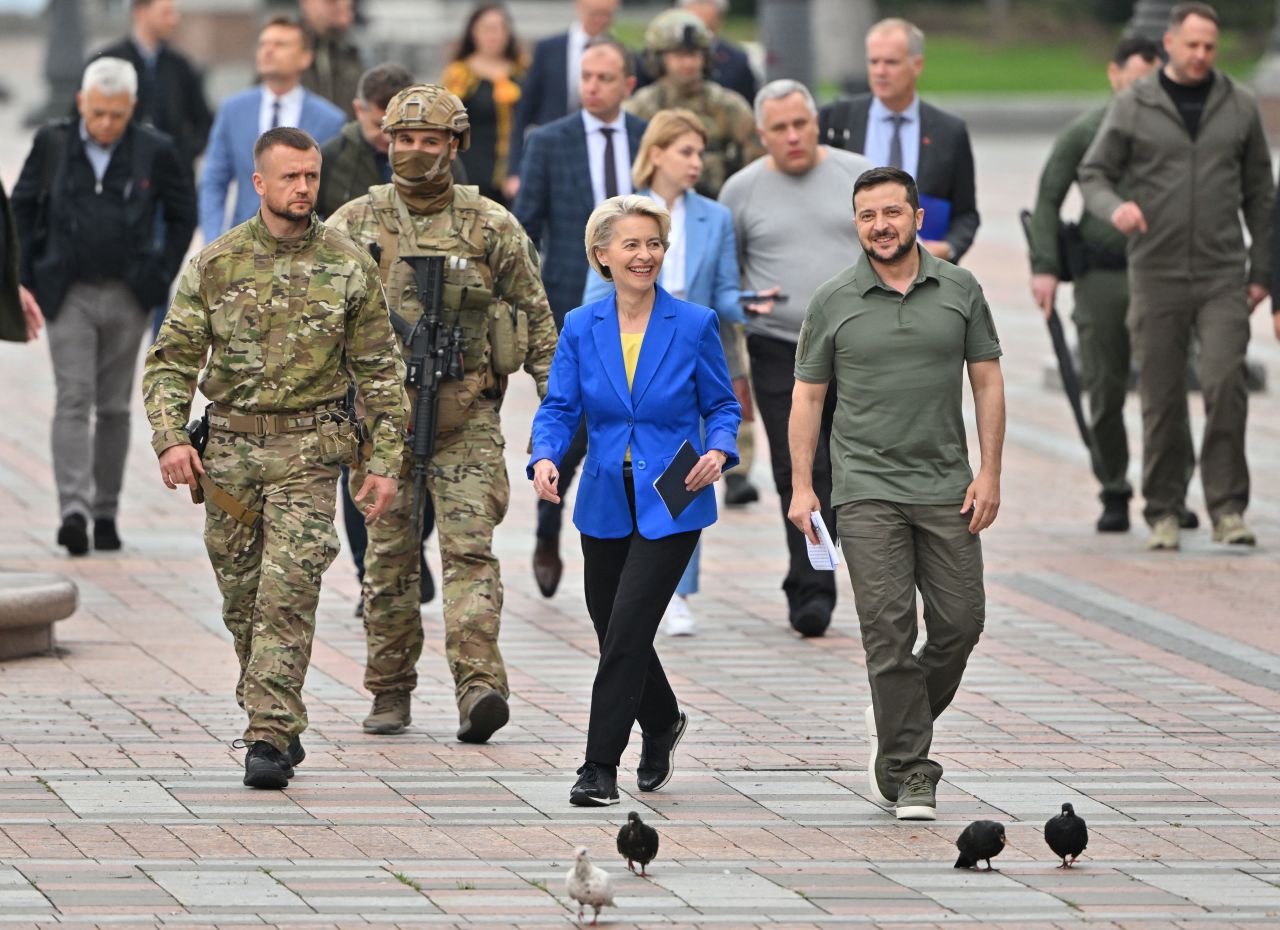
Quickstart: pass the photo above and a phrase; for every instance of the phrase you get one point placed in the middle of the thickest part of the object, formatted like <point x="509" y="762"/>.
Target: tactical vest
<point x="495" y="335"/>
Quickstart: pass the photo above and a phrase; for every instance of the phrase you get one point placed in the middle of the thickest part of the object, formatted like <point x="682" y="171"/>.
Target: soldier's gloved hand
<point x="384" y="492"/>
<point x="180" y="465"/>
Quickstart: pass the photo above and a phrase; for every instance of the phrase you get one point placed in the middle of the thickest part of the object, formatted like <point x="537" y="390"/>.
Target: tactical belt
<point x="260" y="424"/>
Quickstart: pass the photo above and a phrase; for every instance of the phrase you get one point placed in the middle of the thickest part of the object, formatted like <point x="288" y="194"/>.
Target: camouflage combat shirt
<point x="286" y="323"/>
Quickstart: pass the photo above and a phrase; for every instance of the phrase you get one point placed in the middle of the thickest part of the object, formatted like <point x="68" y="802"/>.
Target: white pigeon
<point x="589" y="885"/>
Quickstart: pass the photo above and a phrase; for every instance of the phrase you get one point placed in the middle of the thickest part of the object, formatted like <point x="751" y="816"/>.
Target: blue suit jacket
<point x="544" y="94"/>
<point x="555" y="201"/>
<point x="681" y="379"/>
<point x="710" y="261"/>
<point x="230" y="155"/>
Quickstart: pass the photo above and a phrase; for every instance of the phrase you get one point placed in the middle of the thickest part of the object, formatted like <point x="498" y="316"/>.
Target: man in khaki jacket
<point x="1189" y="142"/>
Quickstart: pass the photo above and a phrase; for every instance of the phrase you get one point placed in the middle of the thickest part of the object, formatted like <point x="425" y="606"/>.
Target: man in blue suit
<point x="280" y="100"/>
<point x="597" y="143"/>
<point x="550" y="88"/>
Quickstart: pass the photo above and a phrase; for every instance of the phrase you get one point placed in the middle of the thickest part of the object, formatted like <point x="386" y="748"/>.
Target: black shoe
<point x="811" y="618"/>
<point x="105" y="537"/>
<point x="658" y="756"/>
<point x="427" y="584"/>
<point x="597" y="786"/>
<point x="1188" y="520"/>
<point x="738" y="490"/>
<point x="266" y="767"/>
<point x="74" y="534"/>
<point x="547" y="566"/>
<point x="1115" y="514"/>
<point x="294" y="756"/>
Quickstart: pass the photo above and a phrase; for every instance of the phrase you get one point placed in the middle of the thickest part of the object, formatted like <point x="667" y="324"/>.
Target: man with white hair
<point x="791" y="219"/>
<point x="86" y="205"/>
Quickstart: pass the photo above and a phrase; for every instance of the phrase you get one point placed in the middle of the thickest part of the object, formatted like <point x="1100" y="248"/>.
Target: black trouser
<point x="629" y="582"/>
<point x="550" y="516"/>
<point x="773" y="364"/>
<point x="353" y="520"/>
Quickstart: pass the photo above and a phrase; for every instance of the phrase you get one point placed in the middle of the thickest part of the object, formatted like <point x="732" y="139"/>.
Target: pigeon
<point x="589" y="885"/>
<point x="637" y="842"/>
<point x="1066" y="835"/>
<point x="982" y="839"/>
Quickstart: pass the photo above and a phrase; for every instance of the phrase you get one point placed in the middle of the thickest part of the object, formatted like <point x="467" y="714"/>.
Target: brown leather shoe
<point x="547" y="566"/>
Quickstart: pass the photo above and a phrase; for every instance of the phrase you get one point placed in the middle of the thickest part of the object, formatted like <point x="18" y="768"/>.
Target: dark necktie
<point x="610" y="173"/>
<point x="275" y="113"/>
<point x="895" y="142"/>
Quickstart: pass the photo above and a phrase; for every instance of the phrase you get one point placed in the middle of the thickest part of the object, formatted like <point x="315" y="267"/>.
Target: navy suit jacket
<point x="681" y="379"/>
<point x="555" y="201"/>
<point x="544" y="94"/>
<point x="230" y="155"/>
<point x="731" y="68"/>
<point x="710" y="260"/>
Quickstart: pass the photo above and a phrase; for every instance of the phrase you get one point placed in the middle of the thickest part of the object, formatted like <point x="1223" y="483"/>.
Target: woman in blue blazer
<point x="648" y="371"/>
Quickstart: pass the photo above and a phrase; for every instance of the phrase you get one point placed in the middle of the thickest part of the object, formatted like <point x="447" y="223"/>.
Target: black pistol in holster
<point x="198" y="430"/>
<point x="433" y="351"/>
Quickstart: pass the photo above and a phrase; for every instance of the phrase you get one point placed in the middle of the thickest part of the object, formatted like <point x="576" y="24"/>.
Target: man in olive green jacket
<point x="1189" y="143"/>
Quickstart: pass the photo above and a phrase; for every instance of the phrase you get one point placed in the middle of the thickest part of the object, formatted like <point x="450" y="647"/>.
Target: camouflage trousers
<point x="269" y="575"/>
<point x="467" y="480"/>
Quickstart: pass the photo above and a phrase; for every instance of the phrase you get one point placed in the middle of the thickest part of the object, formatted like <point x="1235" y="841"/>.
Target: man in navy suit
<point x="598" y="142"/>
<point x="550" y="88"/>
<point x="892" y="126"/>
<point x="729" y="64"/>
<point x="280" y="100"/>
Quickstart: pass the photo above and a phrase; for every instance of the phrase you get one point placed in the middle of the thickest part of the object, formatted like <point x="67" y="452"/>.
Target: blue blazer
<point x="544" y="94"/>
<point x="681" y="378"/>
<point x="230" y="155"/>
<point x="555" y="201"/>
<point x="710" y="261"/>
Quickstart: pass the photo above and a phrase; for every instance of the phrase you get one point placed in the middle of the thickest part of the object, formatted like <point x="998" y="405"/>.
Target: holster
<point x="198" y="430"/>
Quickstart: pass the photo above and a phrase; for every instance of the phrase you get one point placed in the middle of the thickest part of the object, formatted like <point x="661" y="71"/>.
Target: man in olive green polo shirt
<point x="895" y="331"/>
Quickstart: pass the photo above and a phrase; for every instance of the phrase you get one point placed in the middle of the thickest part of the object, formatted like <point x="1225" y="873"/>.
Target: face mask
<point x="424" y="181"/>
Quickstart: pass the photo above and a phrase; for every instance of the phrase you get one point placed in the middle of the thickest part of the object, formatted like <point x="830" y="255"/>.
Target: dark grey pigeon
<point x="637" y="842"/>
<point x="1066" y="835"/>
<point x="981" y="840"/>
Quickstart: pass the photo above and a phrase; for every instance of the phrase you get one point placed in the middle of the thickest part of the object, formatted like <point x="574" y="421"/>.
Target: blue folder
<point x="937" y="217"/>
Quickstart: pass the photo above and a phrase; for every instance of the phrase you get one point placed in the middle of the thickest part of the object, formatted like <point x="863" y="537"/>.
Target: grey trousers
<point x="893" y="549"/>
<point x="94" y="341"/>
<point x="1162" y="316"/>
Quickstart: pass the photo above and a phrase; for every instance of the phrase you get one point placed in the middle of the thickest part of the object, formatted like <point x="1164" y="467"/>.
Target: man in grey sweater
<point x="1188" y="142"/>
<point x="791" y="218"/>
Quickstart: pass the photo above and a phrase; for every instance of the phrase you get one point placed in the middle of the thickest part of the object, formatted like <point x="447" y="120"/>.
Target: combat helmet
<point x="674" y="30"/>
<point x="428" y="106"/>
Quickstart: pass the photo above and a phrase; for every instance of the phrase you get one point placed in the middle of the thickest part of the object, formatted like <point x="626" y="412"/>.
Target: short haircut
<point x="110" y="76"/>
<point x="287" y="136"/>
<point x="1182" y="10"/>
<point x="382" y="82"/>
<point x="722" y="6"/>
<point x="878" y="176"/>
<point x="914" y="34"/>
<point x="607" y="41"/>
<point x="1141" y="46"/>
<point x="665" y="128"/>
<point x="776" y="90"/>
<point x="600" y="225"/>
<point x="288" y="23"/>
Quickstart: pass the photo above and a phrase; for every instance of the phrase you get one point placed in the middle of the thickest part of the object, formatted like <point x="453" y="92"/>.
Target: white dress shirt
<point x="99" y="155"/>
<point x="595" y="154"/>
<point x="674" y="278"/>
<point x="578" y="39"/>
<point x="290" y="108"/>
<point x="880" y="133"/>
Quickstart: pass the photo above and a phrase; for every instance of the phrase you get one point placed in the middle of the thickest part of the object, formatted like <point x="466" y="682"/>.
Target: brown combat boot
<point x="481" y="713"/>
<point x="390" y="713"/>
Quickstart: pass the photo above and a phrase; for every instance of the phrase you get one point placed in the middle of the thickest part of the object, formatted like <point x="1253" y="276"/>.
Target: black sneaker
<point x="105" y="536"/>
<point x="74" y="534"/>
<point x="739" y="491"/>
<point x="658" y="756"/>
<point x="597" y="786"/>
<point x="266" y="767"/>
<point x="1188" y="520"/>
<point x="1115" y="514"/>
<point x="811" y="618"/>
<point x="294" y="756"/>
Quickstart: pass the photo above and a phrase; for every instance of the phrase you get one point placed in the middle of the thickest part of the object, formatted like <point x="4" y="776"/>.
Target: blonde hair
<point x="665" y="128"/>
<point x="600" y="225"/>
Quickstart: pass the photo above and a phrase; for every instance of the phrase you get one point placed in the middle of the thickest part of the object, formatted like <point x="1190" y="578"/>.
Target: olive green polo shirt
<point x="898" y="362"/>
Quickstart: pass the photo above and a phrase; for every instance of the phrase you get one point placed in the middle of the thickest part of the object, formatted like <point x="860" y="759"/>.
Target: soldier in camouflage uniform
<point x="286" y="307"/>
<point x="492" y="290"/>
<point x="677" y="47"/>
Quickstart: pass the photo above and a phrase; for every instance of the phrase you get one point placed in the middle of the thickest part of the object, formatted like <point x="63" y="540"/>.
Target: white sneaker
<point x="879" y="794"/>
<point x="679" y="619"/>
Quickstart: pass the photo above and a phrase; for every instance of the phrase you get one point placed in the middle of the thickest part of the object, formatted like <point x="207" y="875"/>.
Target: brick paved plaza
<point x="1144" y="688"/>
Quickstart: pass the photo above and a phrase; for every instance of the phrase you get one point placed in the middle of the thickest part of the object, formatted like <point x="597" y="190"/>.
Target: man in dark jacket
<point x="86" y="205"/>
<point x="20" y="317"/>
<point x="356" y="159"/>
<point x="170" y="90"/>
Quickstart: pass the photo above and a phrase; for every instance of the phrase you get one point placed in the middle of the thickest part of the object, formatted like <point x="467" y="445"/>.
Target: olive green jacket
<point x="1192" y="191"/>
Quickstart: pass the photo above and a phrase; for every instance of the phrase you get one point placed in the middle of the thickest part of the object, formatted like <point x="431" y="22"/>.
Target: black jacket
<point x="945" y="168"/>
<point x="13" y="327"/>
<point x="56" y="195"/>
<point x="176" y="105"/>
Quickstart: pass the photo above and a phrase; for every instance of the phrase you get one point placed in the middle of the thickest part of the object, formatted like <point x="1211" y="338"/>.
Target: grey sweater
<point x="1191" y="191"/>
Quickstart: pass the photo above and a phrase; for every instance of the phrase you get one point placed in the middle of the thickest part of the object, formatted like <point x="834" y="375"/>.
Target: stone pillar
<point x="838" y="30"/>
<point x="786" y="30"/>
<point x="1150" y="19"/>
<point x="64" y="59"/>
<point x="1266" y="80"/>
